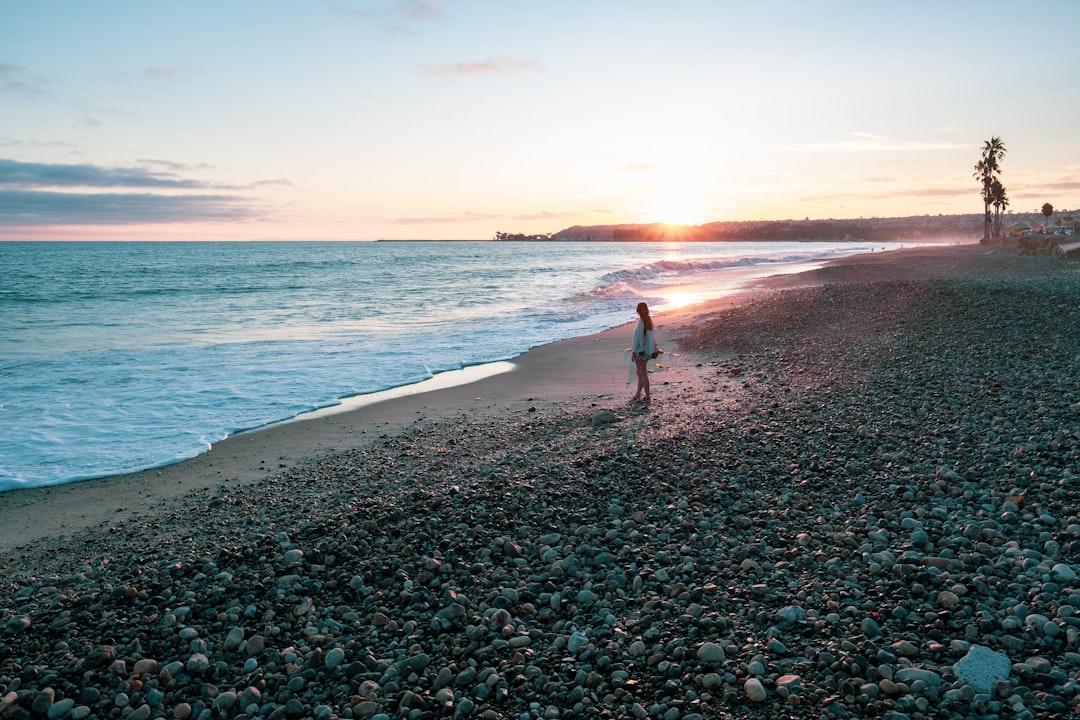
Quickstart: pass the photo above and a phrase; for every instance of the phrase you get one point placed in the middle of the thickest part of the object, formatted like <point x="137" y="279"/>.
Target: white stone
<point x="982" y="668"/>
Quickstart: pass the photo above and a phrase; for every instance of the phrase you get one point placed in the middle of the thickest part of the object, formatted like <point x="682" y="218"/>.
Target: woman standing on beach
<point x="642" y="351"/>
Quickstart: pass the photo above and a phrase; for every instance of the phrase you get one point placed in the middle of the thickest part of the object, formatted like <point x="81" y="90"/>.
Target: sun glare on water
<point x="675" y="300"/>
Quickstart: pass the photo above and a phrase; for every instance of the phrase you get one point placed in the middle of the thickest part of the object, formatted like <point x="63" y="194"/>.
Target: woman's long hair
<point x="643" y="313"/>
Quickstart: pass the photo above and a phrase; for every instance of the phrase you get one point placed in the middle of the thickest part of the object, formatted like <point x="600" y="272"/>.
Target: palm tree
<point x="1000" y="201"/>
<point x="1047" y="210"/>
<point x="986" y="171"/>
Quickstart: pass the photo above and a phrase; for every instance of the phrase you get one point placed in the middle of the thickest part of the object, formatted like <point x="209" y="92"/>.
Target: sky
<point x="457" y="119"/>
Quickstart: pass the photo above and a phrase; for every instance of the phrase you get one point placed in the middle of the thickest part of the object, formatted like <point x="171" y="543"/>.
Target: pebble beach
<point x="853" y="496"/>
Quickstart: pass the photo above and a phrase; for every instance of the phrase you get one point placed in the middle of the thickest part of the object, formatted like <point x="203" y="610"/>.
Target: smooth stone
<point x="947" y="598"/>
<point x="198" y="663"/>
<point x="60" y="708"/>
<point x="711" y="653"/>
<point x="754" y="690"/>
<point x="233" y="639"/>
<point x="909" y="675"/>
<point x="144" y="666"/>
<point x="905" y="648"/>
<point x="255" y="644"/>
<point x="142" y="712"/>
<point x="225" y="702"/>
<point x="711" y="681"/>
<point x="1063" y="572"/>
<point x="334" y="658"/>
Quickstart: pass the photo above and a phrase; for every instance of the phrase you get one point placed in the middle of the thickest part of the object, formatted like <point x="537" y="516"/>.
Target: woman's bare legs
<point x="642" y="380"/>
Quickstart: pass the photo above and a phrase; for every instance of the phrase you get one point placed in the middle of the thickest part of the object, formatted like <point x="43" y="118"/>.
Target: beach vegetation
<point x="1000" y="200"/>
<point x="987" y="171"/>
<point x="507" y="237"/>
<point x="1047" y="210"/>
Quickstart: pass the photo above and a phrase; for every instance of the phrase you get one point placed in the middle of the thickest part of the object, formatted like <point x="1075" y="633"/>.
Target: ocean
<point x="122" y="356"/>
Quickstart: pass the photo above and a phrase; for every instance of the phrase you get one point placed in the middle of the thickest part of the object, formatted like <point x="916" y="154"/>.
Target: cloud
<point x="471" y="217"/>
<point x="23" y="208"/>
<point x="163" y="74"/>
<point x="16" y="81"/>
<point x="276" y="182"/>
<point x="173" y="166"/>
<point x="502" y="66"/>
<point x="466" y="217"/>
<point x="420" y="9"/>
<point x="4" y="142"/>
<point x="27" y="175"/>
<point x="396" y="17"/>
<point x="34" y="194"/>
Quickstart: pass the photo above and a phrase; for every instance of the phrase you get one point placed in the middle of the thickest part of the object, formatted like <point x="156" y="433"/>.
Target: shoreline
<point x="855" y="496"/>
<point x="128" y="458"/>
<point x="538" y="377"/>
<point x="53" y="511"/>
<point x="37" y="513"/>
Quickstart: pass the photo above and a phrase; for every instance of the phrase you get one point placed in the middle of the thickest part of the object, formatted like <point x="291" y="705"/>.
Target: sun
<point x="678" y="210"/>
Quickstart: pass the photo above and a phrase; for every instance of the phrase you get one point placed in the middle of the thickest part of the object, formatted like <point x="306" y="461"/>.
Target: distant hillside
<point x="874" y="230"/>
<point x="916" y="228"/>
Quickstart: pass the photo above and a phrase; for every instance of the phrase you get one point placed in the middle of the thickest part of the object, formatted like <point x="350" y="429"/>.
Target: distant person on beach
<point x="642" y="351"/>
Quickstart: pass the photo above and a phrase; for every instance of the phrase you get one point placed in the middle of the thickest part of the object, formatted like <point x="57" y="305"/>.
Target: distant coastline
<point x="914" y="228"/>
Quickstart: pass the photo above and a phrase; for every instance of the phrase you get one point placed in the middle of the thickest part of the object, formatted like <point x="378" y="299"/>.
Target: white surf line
<point x="440" y="381"/>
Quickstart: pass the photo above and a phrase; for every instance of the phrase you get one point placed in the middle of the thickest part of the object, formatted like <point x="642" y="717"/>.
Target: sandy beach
<point x="854" y="495"/>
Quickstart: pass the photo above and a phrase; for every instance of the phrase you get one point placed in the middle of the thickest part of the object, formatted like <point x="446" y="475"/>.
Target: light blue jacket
<point x="643" y="341"/>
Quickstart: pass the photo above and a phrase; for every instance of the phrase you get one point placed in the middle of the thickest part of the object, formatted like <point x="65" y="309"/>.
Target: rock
<point x="711" y="653"/>
<point x="233" y="639"/>
<point x="1063" y="572"/>
<point x="755" y="691"/>
<point x="197" y="664"/>
<point x="912" y="674"/>
<point x="334" y="658"/>
<point x="905" y="648"/>
<point x="144" y="666"/>
<point x="225" y="702"/>
<point x="577" y="641"/>
<point x="17" y="624"/>
<point x="947" y="598"/>
<point x="43" y="700"/>
<point x="60" y="709"/>
<point x="414" y="664"/>
<point x="255" y="645"/>
<point x="983" y="668"/>
<point x="602" y="418"/>
<point x="142" y="712"/>
<point x="791" y="614"/>
<point x="712" y="681"/>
